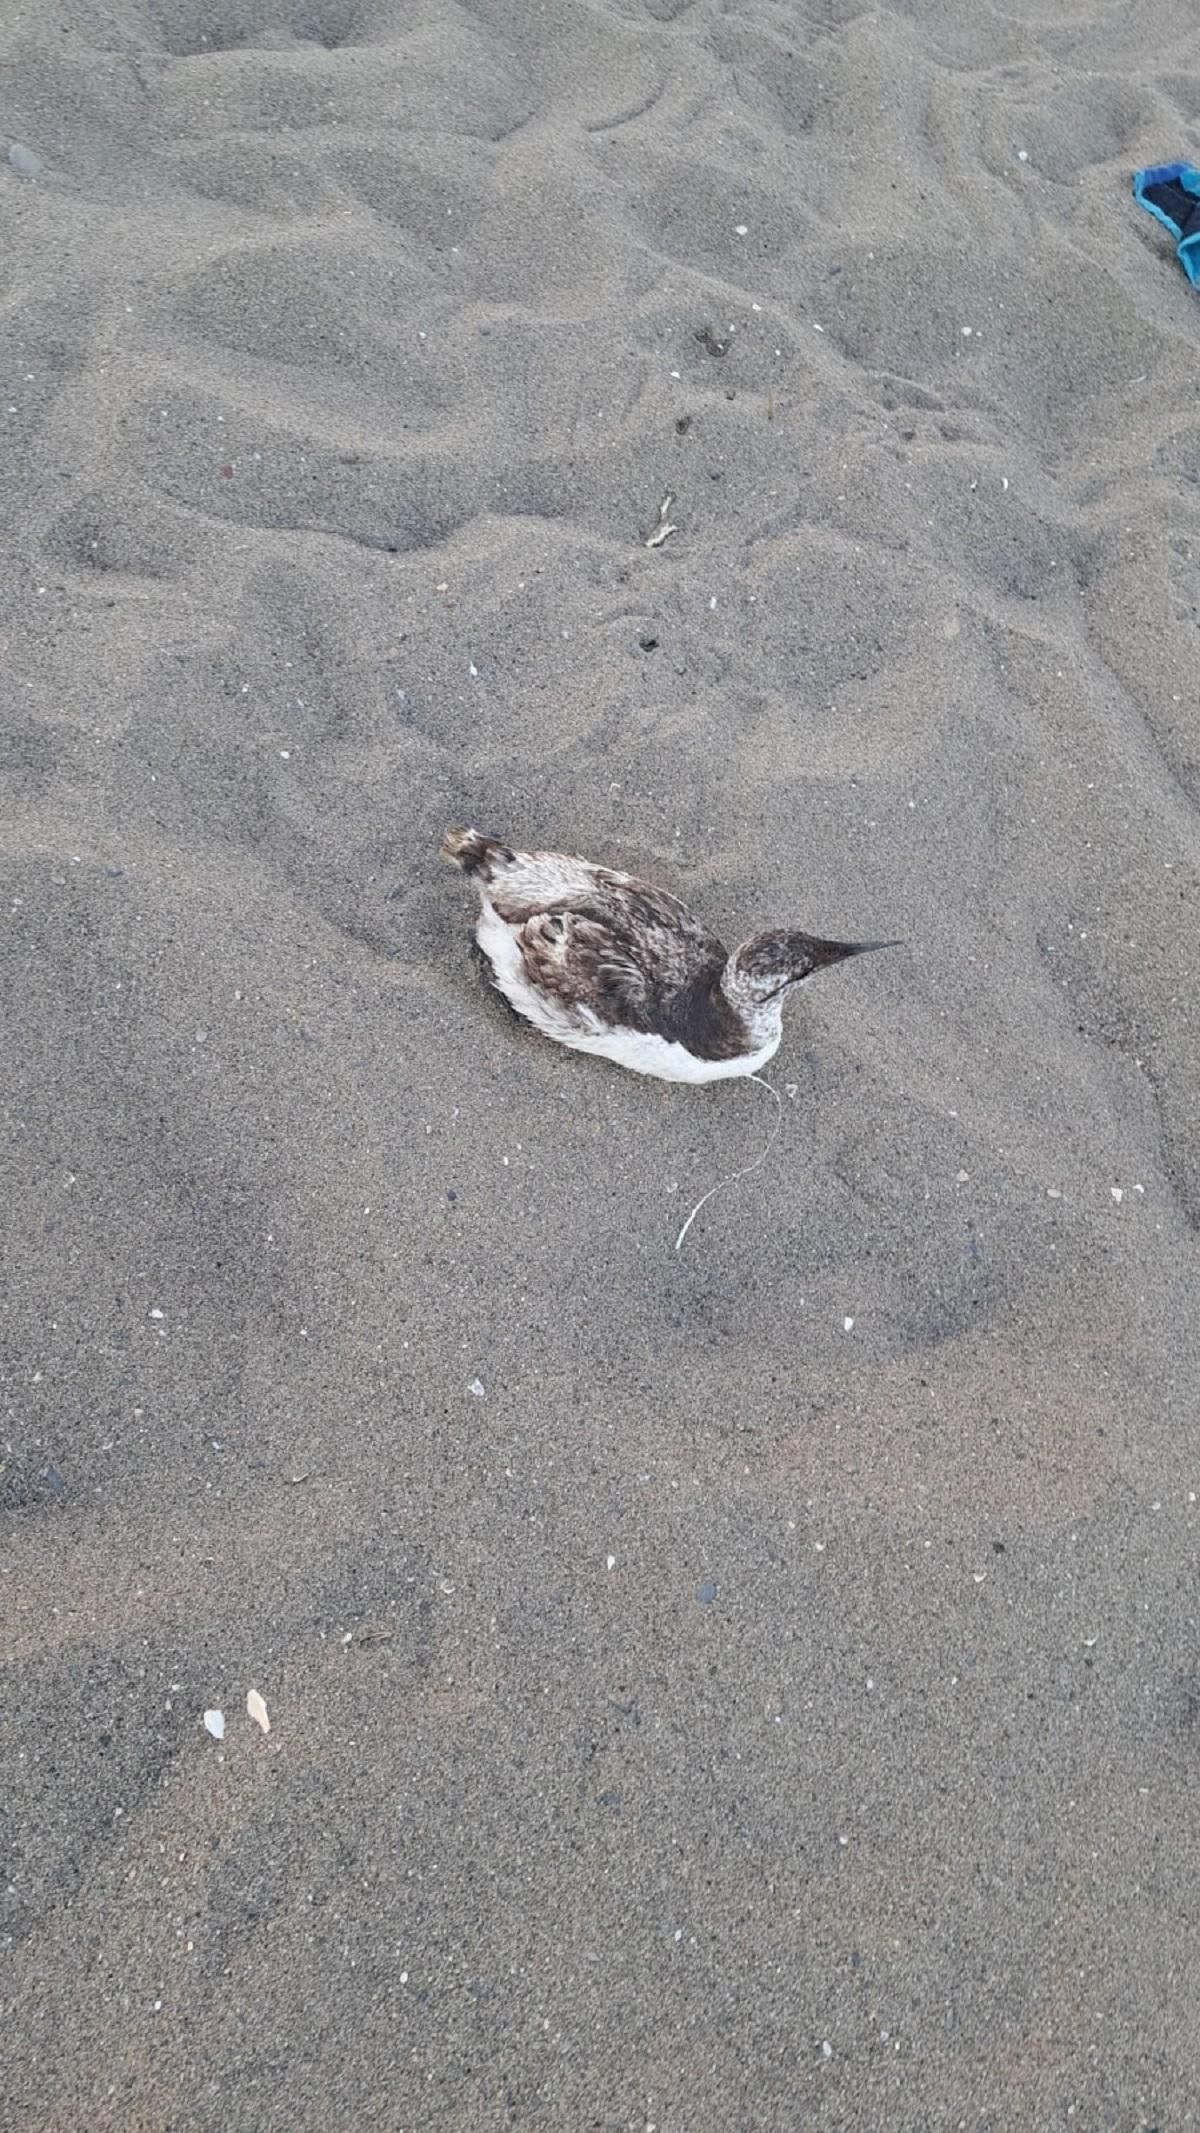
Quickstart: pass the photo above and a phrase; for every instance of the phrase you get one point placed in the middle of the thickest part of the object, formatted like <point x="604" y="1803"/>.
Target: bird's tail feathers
<point x="474" y="852"/>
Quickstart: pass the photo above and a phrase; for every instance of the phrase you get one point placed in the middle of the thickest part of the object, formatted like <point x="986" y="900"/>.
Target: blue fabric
<point x="1171" y="193"/>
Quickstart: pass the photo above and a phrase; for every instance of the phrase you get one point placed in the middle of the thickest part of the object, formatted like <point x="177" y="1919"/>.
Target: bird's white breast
<point x="647" y="1054"/>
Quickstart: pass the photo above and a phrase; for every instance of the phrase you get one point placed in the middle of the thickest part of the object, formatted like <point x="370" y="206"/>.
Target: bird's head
<point x="766" y="966"/>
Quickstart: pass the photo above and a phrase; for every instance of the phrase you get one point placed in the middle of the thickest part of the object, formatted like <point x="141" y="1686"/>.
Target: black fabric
<point x="1175" y="201"/>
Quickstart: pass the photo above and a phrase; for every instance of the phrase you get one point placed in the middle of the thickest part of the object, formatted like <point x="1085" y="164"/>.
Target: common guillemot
<point x="607" y="964"/>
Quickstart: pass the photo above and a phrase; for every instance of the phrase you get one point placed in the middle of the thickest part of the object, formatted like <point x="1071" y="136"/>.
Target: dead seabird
<point x="607" y="964"/>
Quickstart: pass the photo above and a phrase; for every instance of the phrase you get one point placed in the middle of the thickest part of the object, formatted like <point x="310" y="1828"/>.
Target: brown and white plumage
<point x="607" y="964"/>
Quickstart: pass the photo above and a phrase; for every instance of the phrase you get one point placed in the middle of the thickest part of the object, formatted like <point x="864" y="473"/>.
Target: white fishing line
<point x="737" y="1175"/>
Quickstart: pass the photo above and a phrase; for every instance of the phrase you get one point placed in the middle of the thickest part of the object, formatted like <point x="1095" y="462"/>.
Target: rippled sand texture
<point x="748" y="1690"/>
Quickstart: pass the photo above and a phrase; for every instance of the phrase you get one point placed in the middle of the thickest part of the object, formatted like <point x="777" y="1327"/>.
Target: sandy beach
<point x="744" y="1690"/>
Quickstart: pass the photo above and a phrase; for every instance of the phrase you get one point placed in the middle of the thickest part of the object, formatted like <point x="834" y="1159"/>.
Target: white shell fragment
<point x="214" y="1723"/>
<point x="257" y="1710"/>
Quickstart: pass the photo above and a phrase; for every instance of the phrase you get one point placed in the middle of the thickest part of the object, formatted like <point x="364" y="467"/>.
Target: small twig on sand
<point x="664" y="528"/>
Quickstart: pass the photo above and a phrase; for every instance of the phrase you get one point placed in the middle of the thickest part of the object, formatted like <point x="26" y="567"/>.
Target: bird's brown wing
<point x="640" y="975"/>
<point x="581" y="963"/>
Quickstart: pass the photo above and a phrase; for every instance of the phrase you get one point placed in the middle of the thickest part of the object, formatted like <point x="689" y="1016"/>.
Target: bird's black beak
<point x="823" y="953"/>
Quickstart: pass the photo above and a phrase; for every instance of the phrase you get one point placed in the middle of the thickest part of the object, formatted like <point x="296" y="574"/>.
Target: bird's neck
<point x="762" y="1020"/>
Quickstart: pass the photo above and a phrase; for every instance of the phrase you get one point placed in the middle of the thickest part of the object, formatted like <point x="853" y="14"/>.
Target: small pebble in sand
<point x="257" y="1710"/>
<point x="847" y="1325"/>
<point x="712" y="342"/>
<point x="611" y="1561"/>
<point x="476" y="1388"/>
<point x="1022" y="155"/>
<point x="214" y="1723"/>
<point x="24" y="161"/>
<point x="707" y="1592"/>
<point x="741" y="229"/>
<point x="1118" y="1193"/>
